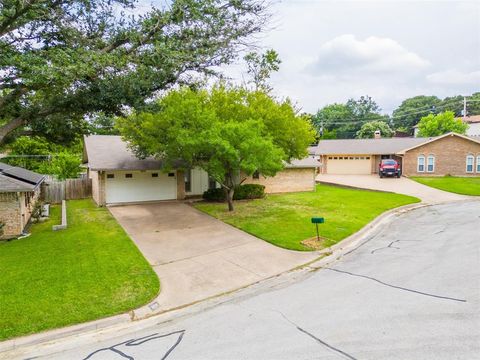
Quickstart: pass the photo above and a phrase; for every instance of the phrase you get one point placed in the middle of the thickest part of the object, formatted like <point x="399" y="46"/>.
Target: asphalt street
<point x="410" y="291"/>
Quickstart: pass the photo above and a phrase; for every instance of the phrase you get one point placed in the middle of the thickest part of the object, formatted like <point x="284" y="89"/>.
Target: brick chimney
<point x="378" y="134"/>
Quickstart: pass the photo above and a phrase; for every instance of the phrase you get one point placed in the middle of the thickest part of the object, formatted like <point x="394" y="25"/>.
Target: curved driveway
<point x="409" y="291"/>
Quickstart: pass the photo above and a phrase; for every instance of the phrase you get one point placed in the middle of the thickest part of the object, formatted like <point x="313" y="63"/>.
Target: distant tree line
<point x="362" y="117"/>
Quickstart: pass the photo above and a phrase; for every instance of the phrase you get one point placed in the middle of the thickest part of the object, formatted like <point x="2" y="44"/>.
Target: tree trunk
<point x="230" y="198"/>
<point x="9" y="127"/>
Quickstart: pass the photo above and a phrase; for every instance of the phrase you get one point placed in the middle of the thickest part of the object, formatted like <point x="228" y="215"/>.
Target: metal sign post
<point x="316" y="221"/>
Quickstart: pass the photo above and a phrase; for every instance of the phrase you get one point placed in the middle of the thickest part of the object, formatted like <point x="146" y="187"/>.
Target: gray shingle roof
<point x="308" y="162"/>
<point x="17" y="179"/>
<point x="367" y="146"/>
<point x="110" y="152"/>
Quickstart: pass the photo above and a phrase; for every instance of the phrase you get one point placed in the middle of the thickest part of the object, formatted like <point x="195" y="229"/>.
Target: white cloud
<point x="345" y="54"/>
<point x="455" y="77"/>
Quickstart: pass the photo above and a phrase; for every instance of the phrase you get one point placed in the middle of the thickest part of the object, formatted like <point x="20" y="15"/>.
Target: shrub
<point x="242" y="192"/>
<point x="214" y="194"/>
<point x="249" y="191"/>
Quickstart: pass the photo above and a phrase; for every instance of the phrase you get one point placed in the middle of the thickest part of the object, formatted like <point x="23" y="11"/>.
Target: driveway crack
<point x="397" y="287"/>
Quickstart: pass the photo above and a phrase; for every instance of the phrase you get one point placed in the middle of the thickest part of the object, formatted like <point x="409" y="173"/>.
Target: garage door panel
<point x="354" y="166"/>
<point x="141" y="186"/>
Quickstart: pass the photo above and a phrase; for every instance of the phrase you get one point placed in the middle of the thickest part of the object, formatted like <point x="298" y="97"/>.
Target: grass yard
<point x="88" y="271"/>
<point x="458" y="185"/>
<point x="285" y="219"/>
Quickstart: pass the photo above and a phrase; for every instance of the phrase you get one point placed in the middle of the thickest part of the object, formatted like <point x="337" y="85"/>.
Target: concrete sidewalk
<point x="197" y="256"/>
<point x="401" y="185"/>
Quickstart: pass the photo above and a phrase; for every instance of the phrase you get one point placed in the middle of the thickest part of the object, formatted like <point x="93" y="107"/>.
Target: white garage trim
<point x="136" y="186"/>
<point x="349" y="164"/>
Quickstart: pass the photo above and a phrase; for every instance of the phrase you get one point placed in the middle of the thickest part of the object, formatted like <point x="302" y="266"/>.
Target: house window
<point x="470" y="161"/>
<point x="256" y="175"/>
<point x="110" y="176"/>
<point x="171" y="174"/>
<point x="421" y="163"/>
<point x="431" y="163"/>
<point x="368" y="158"/>
<point x="329" y="158"/>
<point x="129" y="176"/>
<point x="478" y="163"/>
<point x="154" y="174"/>
<point x="188" y="180"/>
<point x="212" y="184"/>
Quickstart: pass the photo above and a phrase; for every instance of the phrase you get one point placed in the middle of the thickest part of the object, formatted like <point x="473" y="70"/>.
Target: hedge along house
<point x="118" y="176"/>
<point x="449" y="154"/>
<point x="19" y="192"/>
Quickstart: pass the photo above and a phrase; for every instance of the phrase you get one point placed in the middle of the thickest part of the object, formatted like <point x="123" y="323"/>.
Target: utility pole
<point x="464" y="109"/>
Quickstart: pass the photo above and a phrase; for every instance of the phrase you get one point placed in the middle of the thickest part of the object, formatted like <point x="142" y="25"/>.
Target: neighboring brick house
<point x="118" y="176"/>
<point x="473" y="125"/>
<point x="19" y="191"/>
<point x="449" y="154"/>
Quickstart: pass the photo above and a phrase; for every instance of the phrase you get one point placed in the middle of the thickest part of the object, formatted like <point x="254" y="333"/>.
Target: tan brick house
<point x="449" y="154"/>
<point x="19" y="191"/>
<point x="118" y="176"/>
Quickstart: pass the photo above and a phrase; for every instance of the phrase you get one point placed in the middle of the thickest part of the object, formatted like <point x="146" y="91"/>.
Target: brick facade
<point x="10" y="214"/>
<point x="450" y="155"/>
<point x="180" y="185"/>
<point x="98" y="186"/>
<point x="16" y="210"/>
<point x="287" y="180"/>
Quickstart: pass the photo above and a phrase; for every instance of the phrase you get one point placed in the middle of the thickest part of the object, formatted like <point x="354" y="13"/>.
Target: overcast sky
<point x="334" y="50"/>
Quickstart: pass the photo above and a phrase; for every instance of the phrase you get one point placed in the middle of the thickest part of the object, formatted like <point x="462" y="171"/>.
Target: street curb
<point x="326" y="256"/>
<point x="55" y="334"/>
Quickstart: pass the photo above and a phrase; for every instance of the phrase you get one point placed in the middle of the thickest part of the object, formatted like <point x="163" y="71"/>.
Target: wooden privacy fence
<point x="54" y="191"/>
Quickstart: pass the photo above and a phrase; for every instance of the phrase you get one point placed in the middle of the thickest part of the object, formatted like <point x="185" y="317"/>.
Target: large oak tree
<point x="62" y="61"/>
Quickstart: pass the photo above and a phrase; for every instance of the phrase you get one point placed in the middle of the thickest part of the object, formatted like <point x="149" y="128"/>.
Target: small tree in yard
<point x="228" y="132"/>
<point x="436" y="125"/>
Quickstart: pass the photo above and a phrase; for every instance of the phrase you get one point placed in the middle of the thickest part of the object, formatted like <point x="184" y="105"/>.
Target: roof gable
<point x="439" y="138"/>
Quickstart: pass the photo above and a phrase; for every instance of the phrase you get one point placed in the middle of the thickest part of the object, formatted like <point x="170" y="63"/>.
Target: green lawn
<point x="285" y="219"/>
<point x="459" y="185"/>
<point x="88" y="271"/>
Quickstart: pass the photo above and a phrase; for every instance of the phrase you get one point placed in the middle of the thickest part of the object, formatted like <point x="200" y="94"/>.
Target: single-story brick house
<point x="118" y="176"/>
<point x="19" y="191"/>
<point x="449" y="154"/>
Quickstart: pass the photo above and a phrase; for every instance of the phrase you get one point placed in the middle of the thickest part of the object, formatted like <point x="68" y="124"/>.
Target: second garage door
<point x="135" y="186"/>
<point x="349" y="165"/>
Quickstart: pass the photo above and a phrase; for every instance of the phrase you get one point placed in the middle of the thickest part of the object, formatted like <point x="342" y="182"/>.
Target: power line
<point x="379" y="116"/>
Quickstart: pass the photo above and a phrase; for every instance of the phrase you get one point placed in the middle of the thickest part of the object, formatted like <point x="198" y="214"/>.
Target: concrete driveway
<point x="402" y="185"/>
<point x="197" y="256"/>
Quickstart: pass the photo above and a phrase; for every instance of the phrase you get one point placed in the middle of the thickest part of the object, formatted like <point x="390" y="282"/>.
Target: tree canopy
<point x="64" y="60"/>
<point x="367" y="131"/>
<point x="411" y="110"/>
<point x="260" y="67"/>
<point x="345" y="120"/>
<point x="229" y="132"/>
<point x="436" y="125"/>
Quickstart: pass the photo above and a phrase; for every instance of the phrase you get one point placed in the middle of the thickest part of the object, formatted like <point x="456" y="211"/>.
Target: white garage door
<point x="354" y="165"/>
<point x="133" y="186"/>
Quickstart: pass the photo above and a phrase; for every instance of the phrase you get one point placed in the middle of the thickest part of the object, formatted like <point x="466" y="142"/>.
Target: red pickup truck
<point x="389" y="167"/>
